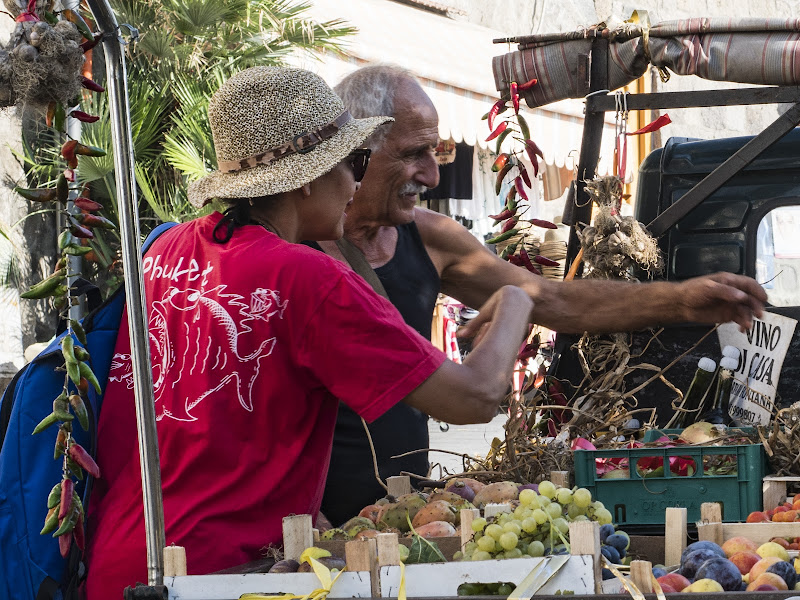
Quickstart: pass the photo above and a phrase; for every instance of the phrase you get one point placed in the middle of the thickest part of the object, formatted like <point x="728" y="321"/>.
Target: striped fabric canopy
<point x="755" y="51"/>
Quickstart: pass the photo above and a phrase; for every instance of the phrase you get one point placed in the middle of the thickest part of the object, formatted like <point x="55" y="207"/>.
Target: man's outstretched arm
<point x="470" y="273"/>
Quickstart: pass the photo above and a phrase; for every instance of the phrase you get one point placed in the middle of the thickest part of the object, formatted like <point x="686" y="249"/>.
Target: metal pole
<point x="117" y="89"/>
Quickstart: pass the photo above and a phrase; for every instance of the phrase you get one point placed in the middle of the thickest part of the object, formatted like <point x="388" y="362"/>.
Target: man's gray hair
<point x="369" y="92"/>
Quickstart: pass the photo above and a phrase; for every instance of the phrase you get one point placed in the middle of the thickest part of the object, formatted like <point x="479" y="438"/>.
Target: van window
<point x="778" y="255"/>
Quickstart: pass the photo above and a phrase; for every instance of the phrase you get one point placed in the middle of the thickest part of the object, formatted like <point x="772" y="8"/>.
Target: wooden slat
<point x="642" y="575"/>
<point x="675" y="533"/>
<point x="666" y="100"/>
<point x="584" y="537"/>
<point x="297" y="535"/>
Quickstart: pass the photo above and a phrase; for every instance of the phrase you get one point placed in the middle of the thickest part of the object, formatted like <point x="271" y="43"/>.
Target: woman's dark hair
<point x="237" y="215"/>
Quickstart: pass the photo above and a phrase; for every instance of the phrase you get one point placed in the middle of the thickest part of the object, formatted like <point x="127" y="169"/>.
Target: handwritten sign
<point x="763" y="348"/>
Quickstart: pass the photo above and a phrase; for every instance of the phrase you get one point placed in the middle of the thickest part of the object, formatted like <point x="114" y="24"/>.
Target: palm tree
<point x="185" y="50"/>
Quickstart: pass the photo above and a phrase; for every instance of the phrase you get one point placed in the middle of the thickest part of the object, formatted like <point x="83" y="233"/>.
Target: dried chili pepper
<point x="500" y="162"/>
<point x="61" y="444"/>
<point x="523" y="127"/>
<point x="54" y="497"/>
<point x="500" y="139"/>
<point x="80" y="333"/>
<point x="79" y="407"/>
<point x="67" y="486"/>
<point x="68" y="152"/>
<point x="497" y="131"/>
<point x="87" y="204"/>
<point x="497" y="108"/>
<point x="514" y="97"/>
<point x="506" y="214"/>
<point x="509" y="224"/>
<point x="80" y="231"/>
<point x="91" y="85"/>
<point x="511" y="199"/>
<point x="91" y="43"/>
<point x="37" y="194"/>
<point x="51" y="111"/>
<point x="74" y="17"/>
<point x="78" y="533"/>
<point x="543" y="224"/>
<point x="524" y="87"/>
<point x="82" y="458"/>
<point x="544" y="261"/>
<point x="501" y="175"/>
<point x="83" y="117"/>
<point x="527" y="263"/>
<point x="45" y="423"/>
<point x="50" y="521"/>
<point x="62" y="189"/>
<point x="518" y="183"/>
<point x="88" y="374"/>
<point x="502" y="237"/>
<point x="86" y="150"/>
<point x="46" y="287"/>
<point x="523" y="172"/>
<point x="90" y="220"/>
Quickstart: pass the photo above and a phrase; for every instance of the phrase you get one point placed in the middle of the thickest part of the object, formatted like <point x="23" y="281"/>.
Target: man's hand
<point x="506" y="298"/>
<point x="722" y="297"/>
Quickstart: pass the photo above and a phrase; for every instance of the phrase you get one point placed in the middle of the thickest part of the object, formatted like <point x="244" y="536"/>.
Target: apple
<point x="668" y="589"/>
<point x="745" y="561"/>
<point x="762" y="565"/>
<point x="757" y="517"/>
<point x="768" y="579"/>
<point x="675" y="580"/>
<point x="738" y="544"/>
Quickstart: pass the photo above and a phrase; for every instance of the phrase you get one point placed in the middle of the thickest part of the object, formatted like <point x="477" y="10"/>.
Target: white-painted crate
<point x="443" y="579"/>
<point x="230" y="587"/>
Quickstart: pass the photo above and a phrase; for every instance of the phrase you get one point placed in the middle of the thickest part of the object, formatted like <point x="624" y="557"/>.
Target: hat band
<point x="300" y="144"/>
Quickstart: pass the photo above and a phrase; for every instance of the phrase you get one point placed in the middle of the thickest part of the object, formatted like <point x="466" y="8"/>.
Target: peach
<point x="772" y="549"/>
<point x="780" y="541"/>
<point x="757" y="517"/>
<point x="668" y="589"/>
<point x="738" y="544"/>
<point x="744" y="561"/>
<point x="704" y="586"/>
<point x="762" y="565"/>
<point x="675" y="580"/>
<point x="767" y="579"/>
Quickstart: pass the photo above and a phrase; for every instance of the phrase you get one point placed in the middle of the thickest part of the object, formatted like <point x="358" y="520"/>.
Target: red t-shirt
<point x="251" y="344"/>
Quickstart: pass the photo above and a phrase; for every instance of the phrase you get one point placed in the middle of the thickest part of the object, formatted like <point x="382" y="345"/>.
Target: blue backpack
<point x="31" y="565"/>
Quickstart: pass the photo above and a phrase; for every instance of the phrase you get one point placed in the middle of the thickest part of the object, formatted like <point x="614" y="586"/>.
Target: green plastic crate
<point x="643" y="501"/>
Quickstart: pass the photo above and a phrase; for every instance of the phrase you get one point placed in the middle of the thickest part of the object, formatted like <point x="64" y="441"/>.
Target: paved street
<point x="467" y="439"/>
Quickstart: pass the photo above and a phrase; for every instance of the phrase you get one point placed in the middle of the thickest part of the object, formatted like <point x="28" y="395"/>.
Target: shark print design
<point x="214" y="339"/>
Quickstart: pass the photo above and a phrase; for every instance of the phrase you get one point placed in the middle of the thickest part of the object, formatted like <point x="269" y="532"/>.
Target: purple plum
<point x="721" y="570"/>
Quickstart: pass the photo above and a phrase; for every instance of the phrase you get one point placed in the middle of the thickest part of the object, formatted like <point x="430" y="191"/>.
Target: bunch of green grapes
<point x="539" y="524"/>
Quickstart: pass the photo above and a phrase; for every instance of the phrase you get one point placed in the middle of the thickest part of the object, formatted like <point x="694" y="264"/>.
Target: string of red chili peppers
<point x="508" y="164"/>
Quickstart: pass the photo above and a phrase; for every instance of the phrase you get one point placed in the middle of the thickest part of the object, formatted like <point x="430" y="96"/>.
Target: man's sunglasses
<point x="359" y="159"/>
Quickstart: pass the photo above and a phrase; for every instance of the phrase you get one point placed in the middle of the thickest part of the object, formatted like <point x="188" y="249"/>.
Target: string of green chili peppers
<point x="65" y="513"/>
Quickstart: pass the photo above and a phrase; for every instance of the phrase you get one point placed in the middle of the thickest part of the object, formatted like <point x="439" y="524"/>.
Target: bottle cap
<point x="728" y="362"/>
<point x="731" y="351"/>
<point x="707" y="364"/>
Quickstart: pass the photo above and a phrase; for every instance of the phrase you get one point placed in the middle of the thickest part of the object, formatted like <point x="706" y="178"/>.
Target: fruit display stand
<point x="298" y="535"/>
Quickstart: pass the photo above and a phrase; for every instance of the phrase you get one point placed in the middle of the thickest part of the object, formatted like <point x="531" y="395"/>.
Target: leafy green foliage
<point x="422" y="550"/>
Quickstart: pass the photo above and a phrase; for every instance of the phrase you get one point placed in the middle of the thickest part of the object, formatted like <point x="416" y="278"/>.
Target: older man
<point x="417" y="253"/>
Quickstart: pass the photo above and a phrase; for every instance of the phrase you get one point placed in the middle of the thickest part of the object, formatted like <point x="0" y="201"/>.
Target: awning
<point x="453" y="61"/>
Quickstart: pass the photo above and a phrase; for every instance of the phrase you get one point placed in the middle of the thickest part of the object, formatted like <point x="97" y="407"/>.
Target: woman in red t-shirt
<point x="255" y="339"/>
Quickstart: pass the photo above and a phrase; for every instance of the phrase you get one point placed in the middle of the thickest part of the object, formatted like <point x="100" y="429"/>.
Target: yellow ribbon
<point x="323" y="573"/>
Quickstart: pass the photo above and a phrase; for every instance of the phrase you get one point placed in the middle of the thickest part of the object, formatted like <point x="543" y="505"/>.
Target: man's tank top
<point x="412" y="284"/>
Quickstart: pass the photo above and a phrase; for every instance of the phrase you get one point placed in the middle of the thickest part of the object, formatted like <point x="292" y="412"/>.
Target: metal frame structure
<point x="599" y="101"/>
<point x="117" y="86"/>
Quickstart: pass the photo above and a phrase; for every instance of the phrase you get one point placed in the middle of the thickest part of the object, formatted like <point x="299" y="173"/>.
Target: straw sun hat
<point x="276" y="129"/>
